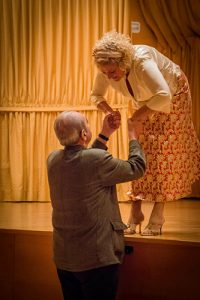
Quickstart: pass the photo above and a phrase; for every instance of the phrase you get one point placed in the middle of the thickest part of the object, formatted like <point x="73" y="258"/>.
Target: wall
<point x="157" y="269"/>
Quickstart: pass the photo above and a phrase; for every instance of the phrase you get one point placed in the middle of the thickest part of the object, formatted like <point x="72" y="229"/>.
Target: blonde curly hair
<point x="113" y="47"/>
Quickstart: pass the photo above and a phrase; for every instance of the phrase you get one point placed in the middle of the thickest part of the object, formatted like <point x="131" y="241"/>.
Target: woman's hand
<point x="142" y="113"/>
<point x="114" y="116"/>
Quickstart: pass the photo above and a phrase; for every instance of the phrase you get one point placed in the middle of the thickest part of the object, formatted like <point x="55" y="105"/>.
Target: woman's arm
<point x="105" y="107"/>
<point x="97" y="97"/>
<point x="153" y="81"/>
<point x="98" y="92"/>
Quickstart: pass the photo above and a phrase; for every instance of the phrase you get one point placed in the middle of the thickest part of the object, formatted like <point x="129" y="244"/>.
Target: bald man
<point x="87" y="226"/>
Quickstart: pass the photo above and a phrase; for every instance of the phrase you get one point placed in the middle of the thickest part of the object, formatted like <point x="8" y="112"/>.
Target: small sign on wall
<point x="135" y="27"/>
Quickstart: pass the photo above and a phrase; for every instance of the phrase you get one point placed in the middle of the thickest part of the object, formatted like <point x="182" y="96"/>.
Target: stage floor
<point x="182" y="221"/>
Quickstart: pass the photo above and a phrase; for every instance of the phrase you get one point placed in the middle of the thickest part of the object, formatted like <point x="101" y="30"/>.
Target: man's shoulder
<point x="54" y="155"/>
<point x="94" y="154"/>
<point x="95" y="151"/>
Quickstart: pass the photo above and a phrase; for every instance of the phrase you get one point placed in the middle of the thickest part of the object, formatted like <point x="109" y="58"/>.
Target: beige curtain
<point x="46" y="67"/>
<point x="26" y="139"/>
<point x="176" y="27"/>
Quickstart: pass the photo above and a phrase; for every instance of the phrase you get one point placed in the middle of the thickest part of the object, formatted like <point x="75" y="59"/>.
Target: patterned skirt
<point x="172" y="151"/>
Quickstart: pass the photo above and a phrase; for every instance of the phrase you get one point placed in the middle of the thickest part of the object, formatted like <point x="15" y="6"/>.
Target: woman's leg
<point x="135" y="217"/>
<point x="156" y="220"/>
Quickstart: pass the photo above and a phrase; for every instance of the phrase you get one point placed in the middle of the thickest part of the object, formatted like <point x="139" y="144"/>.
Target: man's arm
<point x="113" y="170"/>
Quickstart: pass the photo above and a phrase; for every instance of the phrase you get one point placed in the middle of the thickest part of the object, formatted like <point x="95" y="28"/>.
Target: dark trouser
<point x="95" y="284"/>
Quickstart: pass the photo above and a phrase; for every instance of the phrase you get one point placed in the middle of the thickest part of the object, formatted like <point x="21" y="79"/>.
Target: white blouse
<point x="153" y="78"/>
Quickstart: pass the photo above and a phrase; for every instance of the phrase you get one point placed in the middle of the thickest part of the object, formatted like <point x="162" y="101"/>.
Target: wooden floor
<point x="182" y="219"/>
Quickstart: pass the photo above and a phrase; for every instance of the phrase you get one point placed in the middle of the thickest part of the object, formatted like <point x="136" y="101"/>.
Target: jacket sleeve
<point x="97" y="144"/>
<point x="99" y="89"/>
<point x="153" y="80"/>
<point x="112" y="170"/>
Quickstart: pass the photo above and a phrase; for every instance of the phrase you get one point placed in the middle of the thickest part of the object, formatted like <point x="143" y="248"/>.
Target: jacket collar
<point x="74" y="148"/>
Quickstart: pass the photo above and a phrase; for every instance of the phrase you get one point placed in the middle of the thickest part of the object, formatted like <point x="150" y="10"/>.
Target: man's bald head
<point x="68" y="127"/>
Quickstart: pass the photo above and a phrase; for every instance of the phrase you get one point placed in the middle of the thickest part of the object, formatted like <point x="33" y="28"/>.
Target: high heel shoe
<point x="152" y="230"/>
<point x="156" y="220"/>
<point x="131" y="228"/>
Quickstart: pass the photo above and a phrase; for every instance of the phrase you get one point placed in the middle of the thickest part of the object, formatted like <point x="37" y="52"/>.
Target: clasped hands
<point x="114" y="119"/>
<point x="135" y="125"/>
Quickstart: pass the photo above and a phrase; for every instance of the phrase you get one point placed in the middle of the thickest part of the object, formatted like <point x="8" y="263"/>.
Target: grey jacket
<point x="87" y="226"/>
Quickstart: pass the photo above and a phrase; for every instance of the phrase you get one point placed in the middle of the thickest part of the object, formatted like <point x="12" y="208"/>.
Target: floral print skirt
<point x="172" y="151"/>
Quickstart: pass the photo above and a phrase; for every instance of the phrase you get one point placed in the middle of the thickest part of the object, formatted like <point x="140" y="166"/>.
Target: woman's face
<point x="112" y="71"/>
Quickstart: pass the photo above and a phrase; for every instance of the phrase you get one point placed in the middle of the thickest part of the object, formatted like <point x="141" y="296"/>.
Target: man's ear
<point x="83" y="134"/>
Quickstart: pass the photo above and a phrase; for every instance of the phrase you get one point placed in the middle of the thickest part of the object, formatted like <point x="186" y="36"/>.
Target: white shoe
<point x="156" y="220"/>
<point x="152" y="230"/>
<point x="132" y="228"/>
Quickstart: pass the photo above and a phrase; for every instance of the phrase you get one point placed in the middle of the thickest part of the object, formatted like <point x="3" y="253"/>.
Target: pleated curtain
<point x="46" y="67"/>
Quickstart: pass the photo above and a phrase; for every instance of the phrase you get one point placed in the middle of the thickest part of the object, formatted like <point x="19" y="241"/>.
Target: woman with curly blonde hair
<point x="161" y="95"/>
